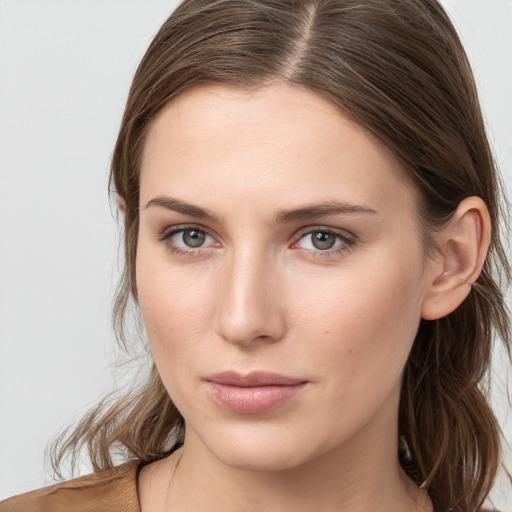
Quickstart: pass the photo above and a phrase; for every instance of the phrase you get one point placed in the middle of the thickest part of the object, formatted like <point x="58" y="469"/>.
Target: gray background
<point x="65" y="69"/>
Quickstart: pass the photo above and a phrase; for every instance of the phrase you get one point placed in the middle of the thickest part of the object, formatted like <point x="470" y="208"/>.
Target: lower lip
<point x="252" y="400"/>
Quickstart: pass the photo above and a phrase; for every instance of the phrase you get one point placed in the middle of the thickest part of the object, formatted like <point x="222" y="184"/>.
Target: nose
<point x="250" y="309"/>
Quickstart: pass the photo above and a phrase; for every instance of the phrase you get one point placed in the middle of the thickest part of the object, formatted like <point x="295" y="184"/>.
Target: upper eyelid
<point x="170" y="230"/>
<point x="329" y="229"/>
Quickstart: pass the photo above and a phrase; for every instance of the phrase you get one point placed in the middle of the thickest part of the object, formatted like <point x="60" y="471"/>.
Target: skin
<point x="258" y="295"/>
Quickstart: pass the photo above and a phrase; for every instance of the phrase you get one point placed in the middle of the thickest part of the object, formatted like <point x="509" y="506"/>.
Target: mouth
<point x="252" y="393"/>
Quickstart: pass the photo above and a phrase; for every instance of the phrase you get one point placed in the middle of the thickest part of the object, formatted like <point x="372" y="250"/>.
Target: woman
<point x="311" y="219"/>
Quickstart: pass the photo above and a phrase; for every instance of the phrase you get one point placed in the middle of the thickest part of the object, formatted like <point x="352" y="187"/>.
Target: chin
<point x="260" y="447"/>
<point x="254" y="457"/>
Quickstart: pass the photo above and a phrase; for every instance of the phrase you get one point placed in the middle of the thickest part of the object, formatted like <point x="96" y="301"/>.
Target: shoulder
<point x="105" y="491"/>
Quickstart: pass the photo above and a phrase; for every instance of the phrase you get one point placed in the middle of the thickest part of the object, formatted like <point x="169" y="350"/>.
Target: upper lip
<point x="253" y="379"/>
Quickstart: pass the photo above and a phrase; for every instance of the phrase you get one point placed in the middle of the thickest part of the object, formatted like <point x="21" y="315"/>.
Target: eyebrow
<point x="176" y="205"/>
<point x="321" y="210"/>
<point x="315" y="211"/>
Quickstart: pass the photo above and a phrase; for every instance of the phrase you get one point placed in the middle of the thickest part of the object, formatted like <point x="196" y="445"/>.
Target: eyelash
<point x="348" y="241"/>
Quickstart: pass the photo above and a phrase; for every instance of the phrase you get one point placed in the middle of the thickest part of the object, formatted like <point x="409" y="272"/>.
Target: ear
<point x="463" y="246"/>
<point x="121" y="203"/>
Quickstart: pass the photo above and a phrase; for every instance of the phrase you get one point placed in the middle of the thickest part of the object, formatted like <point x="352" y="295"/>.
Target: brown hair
<point x="396" y="67"/>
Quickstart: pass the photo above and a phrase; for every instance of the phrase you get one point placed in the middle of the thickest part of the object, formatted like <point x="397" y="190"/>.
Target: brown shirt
<point x="112" y="490"/>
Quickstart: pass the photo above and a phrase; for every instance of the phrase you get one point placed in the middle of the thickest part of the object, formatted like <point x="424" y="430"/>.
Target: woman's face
<point x="280" y="275"/>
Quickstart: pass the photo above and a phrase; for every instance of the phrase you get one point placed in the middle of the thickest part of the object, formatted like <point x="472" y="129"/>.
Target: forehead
<point x="277" y="138"/>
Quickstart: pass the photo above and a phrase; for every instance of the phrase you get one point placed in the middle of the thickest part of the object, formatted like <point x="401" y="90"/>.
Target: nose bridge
<point x="249" y="307"/>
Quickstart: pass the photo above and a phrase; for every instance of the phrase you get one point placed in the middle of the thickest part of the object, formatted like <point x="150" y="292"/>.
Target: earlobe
<point x="121" y="204"/>
<point x="463" y="246"/>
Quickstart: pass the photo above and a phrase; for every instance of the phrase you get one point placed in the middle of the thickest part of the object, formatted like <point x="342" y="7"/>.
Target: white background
<point x="65" y="69"/>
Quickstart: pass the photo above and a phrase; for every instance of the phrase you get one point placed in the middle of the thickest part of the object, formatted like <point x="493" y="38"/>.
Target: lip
<point x="252" y="393"/>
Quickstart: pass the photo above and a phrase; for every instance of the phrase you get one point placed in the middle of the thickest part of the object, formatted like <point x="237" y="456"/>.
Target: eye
<point x="185" y="239"/>
<point x="190" y="237"/>
<point x="323" y="240"/>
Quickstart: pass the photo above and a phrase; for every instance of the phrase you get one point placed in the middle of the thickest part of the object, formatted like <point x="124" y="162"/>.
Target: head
<point x="392" y="76"/>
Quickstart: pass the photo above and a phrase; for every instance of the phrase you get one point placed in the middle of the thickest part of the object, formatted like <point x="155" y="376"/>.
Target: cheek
<point x="170" y="302"/>
<point x="174" y="309"/>
<point x="364" y="321"/>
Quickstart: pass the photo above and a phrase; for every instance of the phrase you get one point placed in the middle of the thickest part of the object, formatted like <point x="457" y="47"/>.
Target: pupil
<point x="193" y="237"/>
<point x="322" y="241"/>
